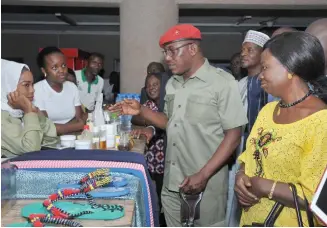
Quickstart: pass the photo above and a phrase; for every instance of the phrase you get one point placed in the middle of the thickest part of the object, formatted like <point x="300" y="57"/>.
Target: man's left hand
<point x="194" y="184"/>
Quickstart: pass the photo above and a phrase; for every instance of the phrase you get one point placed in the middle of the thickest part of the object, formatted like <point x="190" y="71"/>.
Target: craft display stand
<point x="13" y="214"/>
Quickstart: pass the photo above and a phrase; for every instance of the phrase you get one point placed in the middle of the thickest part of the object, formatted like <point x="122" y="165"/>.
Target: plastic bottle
<point x="137" y="97"/>
<point x="119" y="99"/>
<point x="98" y="112"/>
<point x="86" y="134"/>
<point x="110" y="136"/>
<point x="96" y="138"/>
<point x="128" y="118"/>
<point x="116" y="122"/>
<point x="106" y="115"/>
<point x="103" y="137"/>
<point x="89" y="121"/>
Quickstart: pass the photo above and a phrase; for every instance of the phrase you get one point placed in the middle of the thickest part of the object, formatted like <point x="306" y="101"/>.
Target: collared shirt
<point x="26" y="134"/>
<point x="243" y="86"/>
<point x="88" y="92"/>
<point x="199" y="110"/>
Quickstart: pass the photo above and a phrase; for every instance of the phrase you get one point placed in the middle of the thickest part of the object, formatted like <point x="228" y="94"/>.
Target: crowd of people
<point x="195" y="117"/>
<point x="35" y="114"/>
<point x="276" y="103"/>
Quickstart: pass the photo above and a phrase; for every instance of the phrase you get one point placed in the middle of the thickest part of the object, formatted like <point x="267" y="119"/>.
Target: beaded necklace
<point x="89" y="182"/>
<point x="295" y="102"/>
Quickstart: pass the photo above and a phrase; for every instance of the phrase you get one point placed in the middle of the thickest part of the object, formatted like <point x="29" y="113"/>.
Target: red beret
<point x="180" y="32"/>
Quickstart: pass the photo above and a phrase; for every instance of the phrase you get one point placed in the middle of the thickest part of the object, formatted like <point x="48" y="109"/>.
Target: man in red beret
<point x="203" y="117"/>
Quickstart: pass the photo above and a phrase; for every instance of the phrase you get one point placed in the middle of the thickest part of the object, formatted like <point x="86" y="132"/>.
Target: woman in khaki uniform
<point x="23" y="127"/>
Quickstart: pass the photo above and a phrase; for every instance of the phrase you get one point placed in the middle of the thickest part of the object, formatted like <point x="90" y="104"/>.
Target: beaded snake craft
<point x="89" y="182"/>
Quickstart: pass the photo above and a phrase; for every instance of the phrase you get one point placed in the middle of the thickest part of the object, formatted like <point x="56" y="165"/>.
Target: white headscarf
<point x="10" y="75"/>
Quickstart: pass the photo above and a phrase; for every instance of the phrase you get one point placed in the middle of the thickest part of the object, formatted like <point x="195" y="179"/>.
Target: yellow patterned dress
<point x="291" y="153"/>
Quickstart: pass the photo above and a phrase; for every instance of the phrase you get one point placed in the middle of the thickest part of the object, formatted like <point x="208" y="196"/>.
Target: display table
<point x="78" y="162"/>
<point x="139" y="146"/>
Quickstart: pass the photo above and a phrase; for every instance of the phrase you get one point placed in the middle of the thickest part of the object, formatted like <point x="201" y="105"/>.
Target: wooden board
<point x="12" y="215"/>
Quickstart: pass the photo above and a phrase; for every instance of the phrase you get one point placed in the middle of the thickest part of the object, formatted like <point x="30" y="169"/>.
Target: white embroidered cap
<point x="256" y="37"/>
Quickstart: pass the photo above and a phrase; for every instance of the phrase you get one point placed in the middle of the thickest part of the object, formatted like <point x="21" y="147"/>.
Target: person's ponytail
<point x="319" y="87"/>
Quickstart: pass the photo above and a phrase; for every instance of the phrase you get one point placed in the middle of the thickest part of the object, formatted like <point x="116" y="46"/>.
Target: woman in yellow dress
<point x="288" y="143"/>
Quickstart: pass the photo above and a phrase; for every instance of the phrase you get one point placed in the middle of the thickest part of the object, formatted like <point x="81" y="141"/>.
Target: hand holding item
<point x="194" y="184"/>
<point x="147" y="132"/>
<point x="17" y="101"/>
<point x="127" y="107"/>
<point x="242" y="185"/>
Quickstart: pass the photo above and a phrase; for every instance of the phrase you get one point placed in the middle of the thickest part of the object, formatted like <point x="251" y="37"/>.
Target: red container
<point x="76" y="58"/>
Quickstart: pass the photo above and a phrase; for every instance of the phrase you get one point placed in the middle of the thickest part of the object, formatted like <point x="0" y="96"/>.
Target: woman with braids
<point x="288" y="142"/>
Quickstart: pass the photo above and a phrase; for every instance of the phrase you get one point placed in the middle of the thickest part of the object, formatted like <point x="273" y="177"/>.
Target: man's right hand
<point x="147" y="132"/>
<point x="17" y="101"/>
<point x="127" y="107"/>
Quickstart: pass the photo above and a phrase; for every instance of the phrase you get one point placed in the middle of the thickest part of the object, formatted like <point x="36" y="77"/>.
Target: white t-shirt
<point x="88" y="92"/>
<point x="59" y="106"/>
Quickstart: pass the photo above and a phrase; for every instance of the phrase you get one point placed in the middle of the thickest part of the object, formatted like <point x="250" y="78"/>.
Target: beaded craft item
<point x="38" y="220"/>
<point x="89" y="182"/>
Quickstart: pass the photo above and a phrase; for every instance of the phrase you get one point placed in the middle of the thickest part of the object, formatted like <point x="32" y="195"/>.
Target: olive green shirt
<point x="26" y="134"/>
<point x="199" y="110"/>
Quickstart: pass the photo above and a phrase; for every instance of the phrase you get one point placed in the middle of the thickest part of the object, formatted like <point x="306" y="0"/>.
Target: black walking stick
<point x="190" y="208"/>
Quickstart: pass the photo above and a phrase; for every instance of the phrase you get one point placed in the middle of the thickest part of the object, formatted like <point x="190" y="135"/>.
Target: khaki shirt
<point x="199" y="110"/>
<point x="24" y="135"/>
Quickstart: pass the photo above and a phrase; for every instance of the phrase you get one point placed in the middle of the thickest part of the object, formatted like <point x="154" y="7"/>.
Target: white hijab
<point x="10" y="75"/>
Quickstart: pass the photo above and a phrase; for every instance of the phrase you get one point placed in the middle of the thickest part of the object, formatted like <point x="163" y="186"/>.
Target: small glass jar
<point x="103" y="137"/>
<point x="124" y="143"/>
<point x="96" y="138"/>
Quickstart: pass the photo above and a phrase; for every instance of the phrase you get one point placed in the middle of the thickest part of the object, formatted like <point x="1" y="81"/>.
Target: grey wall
<point x="222" y="46"/>
<point x="26" y="46"/>
<point x="218" y="46"/>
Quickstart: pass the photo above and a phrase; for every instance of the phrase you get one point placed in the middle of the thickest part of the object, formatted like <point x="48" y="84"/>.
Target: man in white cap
<point x="253" y="96"/>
